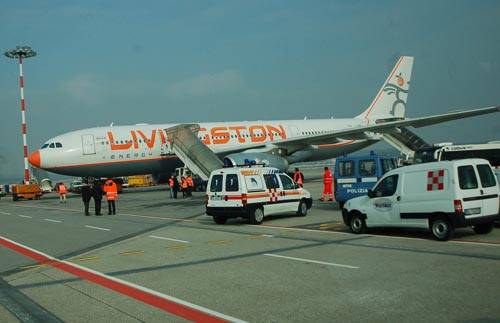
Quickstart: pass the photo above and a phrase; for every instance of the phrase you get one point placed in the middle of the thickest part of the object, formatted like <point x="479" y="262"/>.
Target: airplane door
<point x="88" y="144"/>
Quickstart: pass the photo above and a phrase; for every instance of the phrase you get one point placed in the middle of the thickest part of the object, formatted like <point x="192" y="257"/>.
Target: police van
<point x="253" y="192"/>
<point x="438" y="196"/>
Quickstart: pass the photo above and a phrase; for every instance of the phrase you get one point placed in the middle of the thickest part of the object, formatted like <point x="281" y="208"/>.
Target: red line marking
<point x="340" y="144"/>
<point x="148" y="298"/>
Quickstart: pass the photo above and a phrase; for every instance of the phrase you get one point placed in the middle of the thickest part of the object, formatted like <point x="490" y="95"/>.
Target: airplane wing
<point x="363" y="131"/>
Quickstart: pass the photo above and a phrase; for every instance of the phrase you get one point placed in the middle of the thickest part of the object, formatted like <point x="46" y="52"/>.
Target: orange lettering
<point x="134" y="139"/>
<point x="149" y="142"/>
<point x="205" y="136"/>
<point x="253" y="133"/>
<point x="162" y="136"/>
<point x="115" y="146"/>
<point x="238" y="134"/>
<point x="221" y="133"/>
<point x="272" y="130"/>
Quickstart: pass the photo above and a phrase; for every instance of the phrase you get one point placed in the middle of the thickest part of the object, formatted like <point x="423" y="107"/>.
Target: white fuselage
<point x="142" y="149"/>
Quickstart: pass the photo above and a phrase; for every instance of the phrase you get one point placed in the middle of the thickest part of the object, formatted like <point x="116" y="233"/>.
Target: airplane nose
<point x="34" y="159"/>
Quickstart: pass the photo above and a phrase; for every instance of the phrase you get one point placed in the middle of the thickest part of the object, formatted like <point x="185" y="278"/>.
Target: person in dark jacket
<point x="97" y="193"/>
<point x="86" y="196"/>
<point x="175" y="187"/>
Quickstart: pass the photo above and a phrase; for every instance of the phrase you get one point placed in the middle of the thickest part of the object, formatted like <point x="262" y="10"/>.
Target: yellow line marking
<point x="217" y="242"/>
<point x="86" y="258"/>
<point x="33" y="266"/>
<point x="178" y="247"/>
<point x="131" y="253"/>
<point x="256" y="237"/>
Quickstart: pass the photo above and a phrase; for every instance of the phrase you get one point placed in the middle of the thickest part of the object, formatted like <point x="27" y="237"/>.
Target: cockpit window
<point x="58" y="145"/>
<point x="52" y="145"/>
<point x="44" y="146"/>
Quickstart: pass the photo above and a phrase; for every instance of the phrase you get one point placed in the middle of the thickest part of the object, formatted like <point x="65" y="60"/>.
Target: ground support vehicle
<point x="26" y="191"/>
<point x="438" y="196"/>
<point x="355" y="175"/>
<point x="253" y="193"/>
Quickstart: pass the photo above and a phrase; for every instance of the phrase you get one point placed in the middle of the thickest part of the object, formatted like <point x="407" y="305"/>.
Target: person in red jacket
<point x="61" y="188"/>
<point x="327" y="185"/>
<point x="298" y="177"/>
<point x="111" y="195"/>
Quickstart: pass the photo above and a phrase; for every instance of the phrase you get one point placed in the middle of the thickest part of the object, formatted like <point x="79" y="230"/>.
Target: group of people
<point x="186" y="186"/>
<point x="96" y="189"/>
<point x="298" y="178"/>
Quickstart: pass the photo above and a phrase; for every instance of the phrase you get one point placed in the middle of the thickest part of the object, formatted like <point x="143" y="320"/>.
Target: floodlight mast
<point x="22" y="52"/>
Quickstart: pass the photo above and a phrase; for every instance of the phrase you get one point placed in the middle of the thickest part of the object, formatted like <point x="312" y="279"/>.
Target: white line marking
<point x="25" y="216"/>
<point x="97" y="228"/>
<point x="57" y="221"/>
<point x="312" y="261"/>
<point x="170" y="239"/>
<point x="6" y="213"/>
<point x="141" y="288"/>
<point x="268" y="235"/>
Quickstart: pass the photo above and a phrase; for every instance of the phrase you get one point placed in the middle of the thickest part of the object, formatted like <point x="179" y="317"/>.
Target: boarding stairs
<point x="406" y="141"/>
<point x="183" y="141"/>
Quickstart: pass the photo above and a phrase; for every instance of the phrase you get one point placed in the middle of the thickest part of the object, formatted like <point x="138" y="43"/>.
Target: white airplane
<point x="143" y="149"/>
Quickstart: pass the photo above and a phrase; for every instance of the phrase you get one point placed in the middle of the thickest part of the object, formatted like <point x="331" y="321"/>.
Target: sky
<point x="127" y="62"/>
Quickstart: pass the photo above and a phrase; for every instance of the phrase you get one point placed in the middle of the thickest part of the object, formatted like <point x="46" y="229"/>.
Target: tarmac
<point x="161" y="259"/>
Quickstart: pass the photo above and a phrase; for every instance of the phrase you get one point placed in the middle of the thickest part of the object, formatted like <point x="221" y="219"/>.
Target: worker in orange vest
<point x="298" y="177"/>
<point x="111" y="191"/>
<point x="327" y="185"/>
<point x="190" y="183"/>
<point x="184" y="186"/>
<point x="171" y="185"/>
<point x="62" y="192"/>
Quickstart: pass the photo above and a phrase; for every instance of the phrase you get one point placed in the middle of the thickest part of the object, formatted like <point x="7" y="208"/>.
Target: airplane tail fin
<point x="390" y="102"/>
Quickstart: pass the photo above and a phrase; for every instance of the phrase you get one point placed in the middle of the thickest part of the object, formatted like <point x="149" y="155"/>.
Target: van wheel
<point x="483" y="228"/>
<point x="442" y="229"/>
<point x="302" y="210"/>
<point x="220" y="219"/>
<point x="257" y="215"/>
<point x="14" y="197"/>
<point x="358" y="224"/>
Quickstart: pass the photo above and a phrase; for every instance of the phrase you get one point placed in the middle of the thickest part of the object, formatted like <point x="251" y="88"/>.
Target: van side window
<point x="254" y="183"/>
<point x="216" y="183"/>
<point x="232" y="183"/>
<point x="346" y="168"/>
<point x="387" y="165"/>
<point x="287" y="182"/>
<point x="367" y="167"/>
<point x="486" y="175"/>
<point x="387" y="187"/>
<point x="271" y="181"/>
<point x="467" y="177"/>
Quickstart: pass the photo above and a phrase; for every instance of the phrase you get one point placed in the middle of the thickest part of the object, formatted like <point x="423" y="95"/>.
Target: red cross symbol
<point x="435" y="180"/>
<point x="273" y="195"/>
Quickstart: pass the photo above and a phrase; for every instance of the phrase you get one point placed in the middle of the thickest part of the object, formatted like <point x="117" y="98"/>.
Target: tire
<point x="357" y="224"/>
<point x="220" y="219"/>
<point x="257" y="216"/>
<point x="302" y="210"/>
<point x="484" y="228"/>
<point x="442" y="229"/>
<point x="14" y="197"/>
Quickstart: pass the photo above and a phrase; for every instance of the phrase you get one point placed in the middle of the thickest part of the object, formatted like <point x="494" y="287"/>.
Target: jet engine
<point x="266" y="159"/>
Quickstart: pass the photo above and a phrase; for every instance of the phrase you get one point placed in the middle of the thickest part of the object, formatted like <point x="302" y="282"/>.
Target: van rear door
<point x="470" y="192"/>
<point x="489" y="189"/>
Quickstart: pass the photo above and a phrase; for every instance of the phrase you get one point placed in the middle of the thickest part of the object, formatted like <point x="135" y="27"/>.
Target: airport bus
<point x="489" y="151"/>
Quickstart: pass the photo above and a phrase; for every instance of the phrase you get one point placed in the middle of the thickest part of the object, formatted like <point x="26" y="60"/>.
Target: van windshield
<point x="216" y="183"/>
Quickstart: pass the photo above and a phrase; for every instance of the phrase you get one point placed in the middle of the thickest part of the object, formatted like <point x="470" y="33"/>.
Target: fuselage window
<point x="58" y="145"/>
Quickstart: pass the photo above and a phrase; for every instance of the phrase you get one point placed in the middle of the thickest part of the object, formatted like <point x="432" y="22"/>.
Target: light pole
<point x="22" y="52"/>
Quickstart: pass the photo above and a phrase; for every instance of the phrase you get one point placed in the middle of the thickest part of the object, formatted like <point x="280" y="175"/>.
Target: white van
<point x="439" y="196"/>
<point x="253" y="193"/>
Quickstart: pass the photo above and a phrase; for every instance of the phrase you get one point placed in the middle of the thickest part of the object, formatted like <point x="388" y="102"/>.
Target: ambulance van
<point x="253" y="192"/>
<point x="438" y="196"/>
